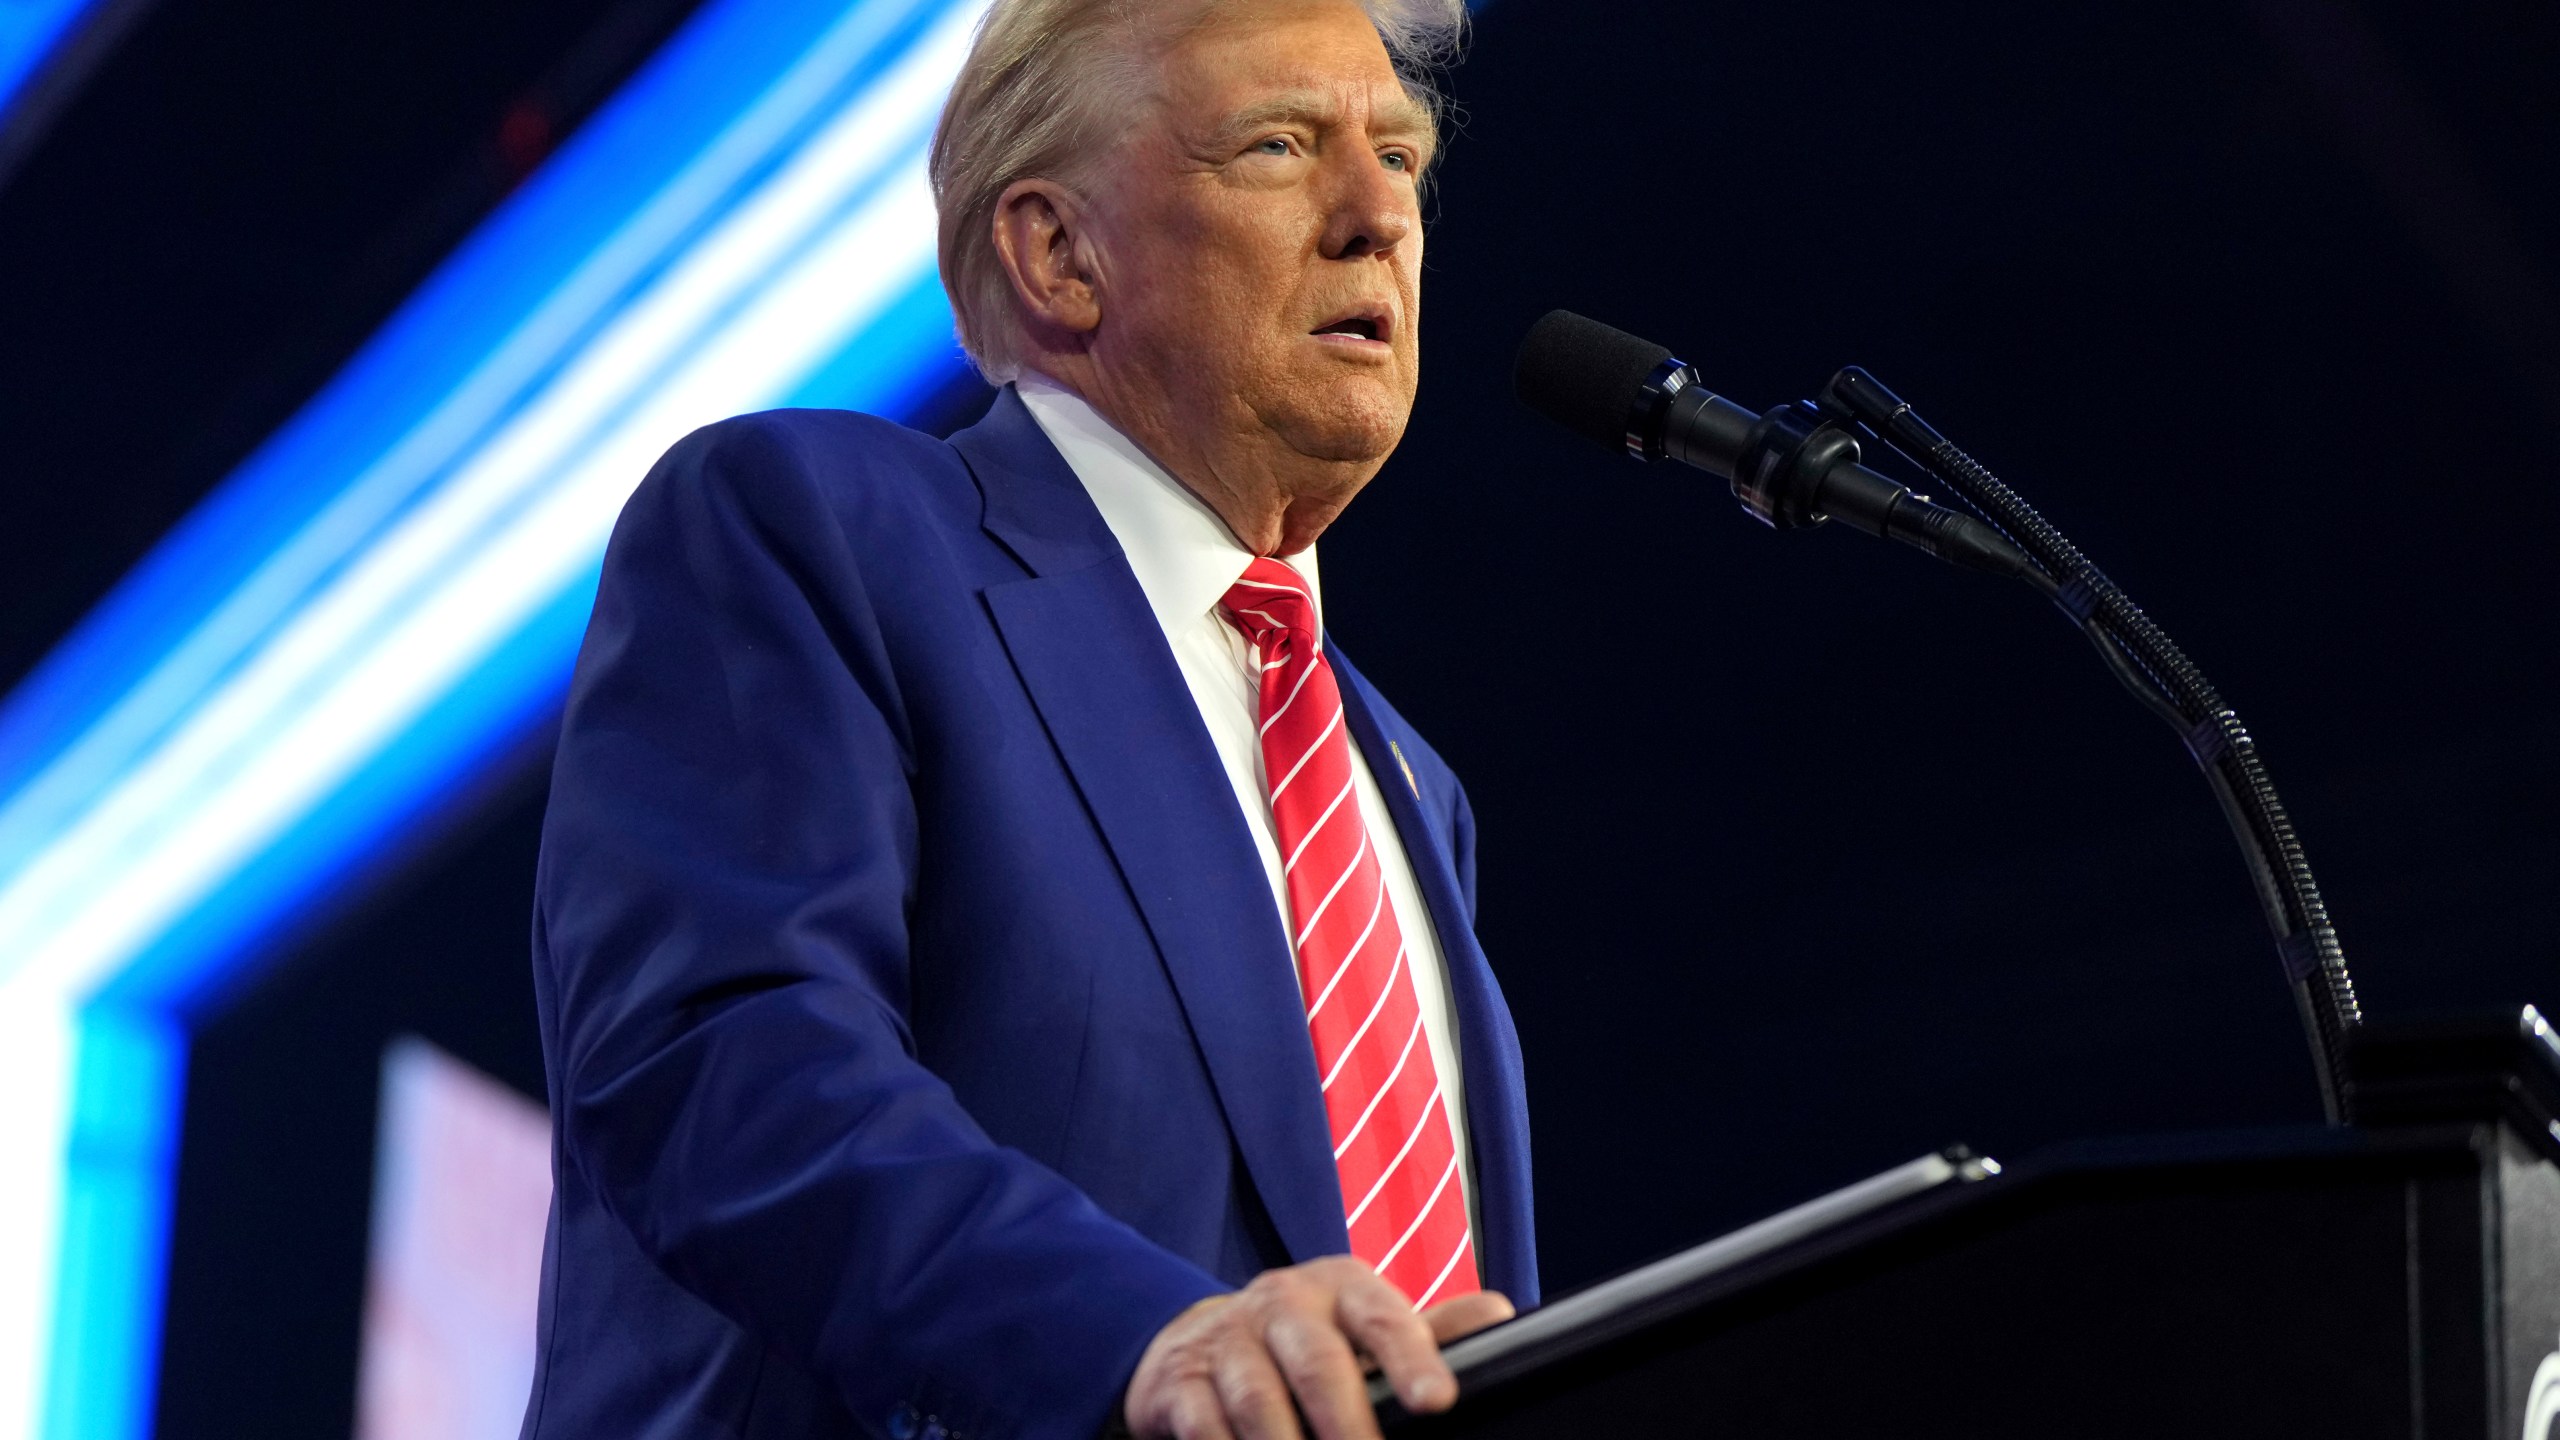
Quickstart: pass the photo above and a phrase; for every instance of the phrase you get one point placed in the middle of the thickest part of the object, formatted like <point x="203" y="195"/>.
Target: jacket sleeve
<point x="728" y="864"/>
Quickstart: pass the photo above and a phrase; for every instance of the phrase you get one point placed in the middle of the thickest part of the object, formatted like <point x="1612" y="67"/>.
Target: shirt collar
<point x="1184" y="556"/>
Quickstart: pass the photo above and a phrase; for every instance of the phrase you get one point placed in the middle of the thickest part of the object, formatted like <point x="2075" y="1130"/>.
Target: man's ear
<point x="1046" y="254"/>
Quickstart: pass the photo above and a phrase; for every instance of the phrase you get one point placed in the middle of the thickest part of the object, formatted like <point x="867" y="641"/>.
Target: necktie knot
<point x="1271" y="604"/>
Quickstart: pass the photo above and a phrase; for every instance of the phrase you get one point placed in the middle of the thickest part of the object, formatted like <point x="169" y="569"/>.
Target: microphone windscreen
<point x="1584" y="375"/>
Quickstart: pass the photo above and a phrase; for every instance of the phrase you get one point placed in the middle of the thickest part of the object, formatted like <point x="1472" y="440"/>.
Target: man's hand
<point x="1229" y="1367"/>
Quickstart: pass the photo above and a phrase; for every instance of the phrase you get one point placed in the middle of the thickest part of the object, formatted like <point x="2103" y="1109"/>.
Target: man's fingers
<point x="1254" y="1396"/>
<point x="1453" y="1319"/>
<point x="1377" y="1316"/>
<point x="1197" y="1414"/>
<point x="1293" y="1342"/>
<point x="1324" y="1374"/>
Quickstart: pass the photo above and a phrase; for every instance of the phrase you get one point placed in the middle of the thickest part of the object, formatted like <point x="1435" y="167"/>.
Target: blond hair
<point x="1045" y="85"/>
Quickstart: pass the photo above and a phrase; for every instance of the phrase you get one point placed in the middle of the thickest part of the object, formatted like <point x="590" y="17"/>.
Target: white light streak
<point x="363" y="645"/>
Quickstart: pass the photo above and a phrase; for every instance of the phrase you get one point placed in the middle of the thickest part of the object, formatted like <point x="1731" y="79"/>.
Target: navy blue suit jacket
<point x="921" y="1037"/>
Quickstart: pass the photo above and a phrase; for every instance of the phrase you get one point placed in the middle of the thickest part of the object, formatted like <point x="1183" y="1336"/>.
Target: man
<point x="1001" y="971"/>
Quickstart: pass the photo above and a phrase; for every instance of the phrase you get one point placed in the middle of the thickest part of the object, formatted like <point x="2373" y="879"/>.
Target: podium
<point x="2400" y="1278"/>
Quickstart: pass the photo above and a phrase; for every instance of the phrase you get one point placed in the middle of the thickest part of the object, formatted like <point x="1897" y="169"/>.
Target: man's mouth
<point x="1363" y="324"/>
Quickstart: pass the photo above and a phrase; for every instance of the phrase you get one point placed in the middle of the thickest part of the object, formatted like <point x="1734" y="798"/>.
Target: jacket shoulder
<point x="784" y="471"/>
<point x="841" y="447"/>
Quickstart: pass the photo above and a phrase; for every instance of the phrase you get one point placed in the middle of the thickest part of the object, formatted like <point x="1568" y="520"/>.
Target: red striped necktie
<point x="1393" y="1147"/>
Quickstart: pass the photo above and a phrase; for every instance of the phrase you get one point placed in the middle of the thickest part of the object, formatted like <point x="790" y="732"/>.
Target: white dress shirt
<point x="1185" y="559"/>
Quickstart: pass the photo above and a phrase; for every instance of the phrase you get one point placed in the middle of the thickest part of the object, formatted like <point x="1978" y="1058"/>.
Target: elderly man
<point x="1002" y="971"/>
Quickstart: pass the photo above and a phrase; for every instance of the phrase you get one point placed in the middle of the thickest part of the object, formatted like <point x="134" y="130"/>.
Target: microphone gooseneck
<point x="1791" y="467"/>
<point x="2158" y="674"/>
<point x="1798" y="465"/>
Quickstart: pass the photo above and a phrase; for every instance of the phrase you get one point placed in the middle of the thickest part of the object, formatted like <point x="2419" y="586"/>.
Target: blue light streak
<point x="30" y="30"/>
<point x="391" y="591"/>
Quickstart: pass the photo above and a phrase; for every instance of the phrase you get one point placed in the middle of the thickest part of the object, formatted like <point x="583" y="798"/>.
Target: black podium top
<point x="2400" y="1279"/>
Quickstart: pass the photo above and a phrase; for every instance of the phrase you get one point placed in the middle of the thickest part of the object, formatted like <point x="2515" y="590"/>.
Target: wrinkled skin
<point x="1233" y="1364"/>
<point x="1268" y="190"/>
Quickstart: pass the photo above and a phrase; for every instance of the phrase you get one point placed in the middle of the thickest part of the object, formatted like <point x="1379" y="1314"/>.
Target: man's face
<point x="1263" y="234"/>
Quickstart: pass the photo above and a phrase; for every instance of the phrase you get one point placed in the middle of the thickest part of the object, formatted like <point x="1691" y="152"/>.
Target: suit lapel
<point x="1096" y="666"/>
<point x="1488" y="1046"/>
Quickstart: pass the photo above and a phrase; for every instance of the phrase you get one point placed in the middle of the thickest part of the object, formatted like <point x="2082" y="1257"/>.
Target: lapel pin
<point x="1409" y="782"/>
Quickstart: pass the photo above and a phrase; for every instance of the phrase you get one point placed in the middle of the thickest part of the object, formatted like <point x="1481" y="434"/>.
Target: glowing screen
<point x="462" y="1188"/>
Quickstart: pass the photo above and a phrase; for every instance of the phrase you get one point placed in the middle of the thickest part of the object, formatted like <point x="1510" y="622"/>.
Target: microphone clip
<point x="1786" y="458"/>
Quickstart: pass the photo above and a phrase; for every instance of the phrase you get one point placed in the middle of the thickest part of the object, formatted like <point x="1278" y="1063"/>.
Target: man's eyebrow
<point x="1300" y="105"/>
<point x="1404" y="118"/>
<point x="1398" y="118"/>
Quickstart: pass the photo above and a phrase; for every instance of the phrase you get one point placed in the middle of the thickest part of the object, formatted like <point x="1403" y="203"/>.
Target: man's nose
<point x="1372" y="209"/>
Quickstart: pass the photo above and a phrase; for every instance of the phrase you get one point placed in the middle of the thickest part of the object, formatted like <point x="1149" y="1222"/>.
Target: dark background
<point x="1802" y="854"/>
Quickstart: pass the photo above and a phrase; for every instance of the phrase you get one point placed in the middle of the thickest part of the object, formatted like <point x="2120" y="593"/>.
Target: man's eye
<point x="1273" y="146"/>
<point x="1395" y="160"/>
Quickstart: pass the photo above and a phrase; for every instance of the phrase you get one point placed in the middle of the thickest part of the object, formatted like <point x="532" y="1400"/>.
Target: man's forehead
<point x="1324" y="63"/>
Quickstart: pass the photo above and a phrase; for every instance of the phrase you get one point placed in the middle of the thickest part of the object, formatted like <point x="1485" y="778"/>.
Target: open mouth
<point x="1365" y="325"/>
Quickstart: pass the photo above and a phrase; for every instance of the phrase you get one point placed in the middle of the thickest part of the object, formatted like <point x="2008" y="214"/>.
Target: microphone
<point x="1798" y="465"/>
<point x="1791" y="467"/>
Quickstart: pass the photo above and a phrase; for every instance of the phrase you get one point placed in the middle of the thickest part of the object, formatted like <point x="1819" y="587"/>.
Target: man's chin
<point x="1347" y="422"/>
